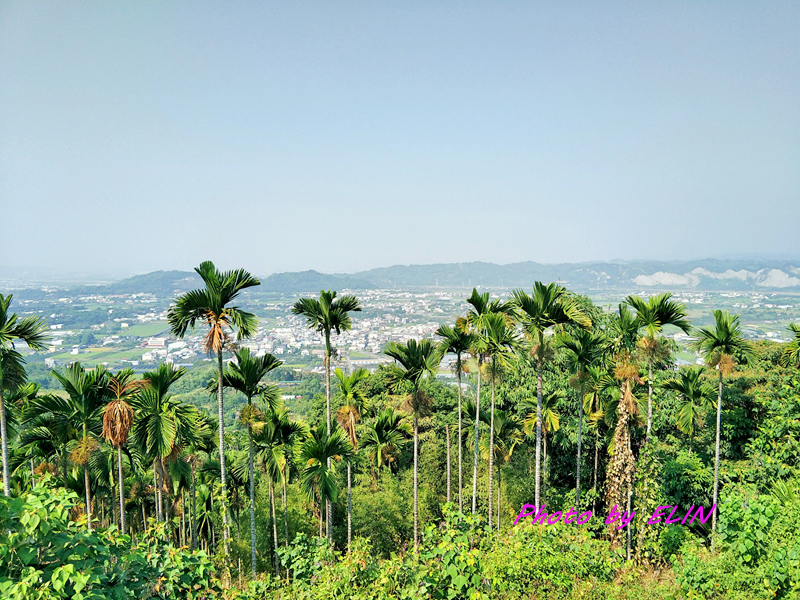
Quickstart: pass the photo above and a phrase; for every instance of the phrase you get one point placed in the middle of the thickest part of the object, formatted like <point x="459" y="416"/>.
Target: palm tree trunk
<point x="4" y="437"/>
<point x="349" y="508"/>
<point x="252" y="503"/>
<point x="499" y="473"/>
<point x="544" y="469"/>
<point x="86" y="483"/>
<point x="460" y="444"/>
<point x="416" y="489"/>
<point x="538" y="431"/>
<point x="88" y="496"/>
<point x="649" y="396"/>
<point x="121" y="491"/>
<point x="225" y="530"/>
<point x="144" y="517"/>
<point x="274" y="526"/>
<point x="491" y="450"/>
<point x="285" y="515"/>
<point x="194" y="509"/>
<point x="157" y="486"/>
<point x="477" y="429"/>
<point x="183" y="518"/>
<point x="578" y="469"/>
<point x="328" y="506"/>
<point x="716" y="454"/>
<point x="447" y="429"/>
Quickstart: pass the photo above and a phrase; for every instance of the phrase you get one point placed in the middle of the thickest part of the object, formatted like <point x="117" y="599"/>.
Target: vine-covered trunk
<point x="538" y="431"/>
<point x="86" y="483"/>
<point x="620" y="468"/>
<point x="477" y="428"/>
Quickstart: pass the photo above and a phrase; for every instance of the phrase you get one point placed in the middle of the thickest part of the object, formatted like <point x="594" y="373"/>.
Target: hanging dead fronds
<point x="117" y="422"/>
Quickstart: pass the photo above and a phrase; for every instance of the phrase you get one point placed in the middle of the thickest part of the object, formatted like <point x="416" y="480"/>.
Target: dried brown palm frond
<point x="44" y="467"/>
<point x="117" y="422"/>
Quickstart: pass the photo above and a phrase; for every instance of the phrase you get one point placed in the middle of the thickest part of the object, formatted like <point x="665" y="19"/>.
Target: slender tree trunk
<point x="596" y="452"/>
<point x="4" y="438"/>
<point x="183" y="518"/>
<point x="544" y="469"/>
<point x="460" y="444"/>
<point x="321" y="515"/>
<point x="416" y="489"/>
<point x="144" y="516"/>
<point x="121" y="491"/>
<point x="33" y="470"/>
<point x="716" y="455"/>
<point x="86" y="483"/>
<point x="499" y="473"/>
<point x="88" y="496"/>
<point x="328" y="504"/>
<point x="649" y="396"/>
<point x="285" y="515"/>
<point x="252" y="502"/>
<point x="349" y="508"/>
<point x="447" y="429"/>
<point x="578" y="469"/>
<point x="156" y="503"/>
<point x="274" y="526"/>
<point x="477" y="429"/>
<point x="194" y="509"/>
<point x="538" y="431"/>
<point x="225" y="528"/>
<point x="491" y="450"/>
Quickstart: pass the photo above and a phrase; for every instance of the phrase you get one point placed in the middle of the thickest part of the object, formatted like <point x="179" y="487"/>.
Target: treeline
<point x="556" y="403"/>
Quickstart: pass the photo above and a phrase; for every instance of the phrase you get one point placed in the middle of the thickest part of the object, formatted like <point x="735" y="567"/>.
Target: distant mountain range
<point x="701" y="275"/>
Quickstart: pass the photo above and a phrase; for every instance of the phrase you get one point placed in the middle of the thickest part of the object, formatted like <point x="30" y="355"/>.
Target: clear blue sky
<point x="342" y="136"/>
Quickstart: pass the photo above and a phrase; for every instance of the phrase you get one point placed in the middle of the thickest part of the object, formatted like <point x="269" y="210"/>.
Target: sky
<point x="286" y="136"/>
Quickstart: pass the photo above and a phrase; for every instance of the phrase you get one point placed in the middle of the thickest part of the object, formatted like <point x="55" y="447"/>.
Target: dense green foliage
<point x="606" y="383"/>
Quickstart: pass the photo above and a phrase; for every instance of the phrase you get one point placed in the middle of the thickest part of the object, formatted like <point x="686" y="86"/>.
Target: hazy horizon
<point x="340" y="138"/>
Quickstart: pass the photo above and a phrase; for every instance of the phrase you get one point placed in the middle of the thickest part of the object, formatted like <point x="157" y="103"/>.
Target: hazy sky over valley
<point x="343" y="136"/>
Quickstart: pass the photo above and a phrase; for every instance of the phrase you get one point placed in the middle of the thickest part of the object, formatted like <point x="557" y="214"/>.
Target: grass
<point x="93" y="356"/>
<point x="145" y="329"/>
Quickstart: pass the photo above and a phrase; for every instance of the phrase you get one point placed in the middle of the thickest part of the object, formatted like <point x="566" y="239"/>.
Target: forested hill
<point x="700" y="275"/>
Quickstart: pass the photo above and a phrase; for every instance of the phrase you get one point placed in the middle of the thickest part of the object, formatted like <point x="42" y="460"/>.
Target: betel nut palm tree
<point x="457" y="341"/>
<point x="500" y="343"/>
<point x="81" y="411"/>
<point x="245" y="376"/>
<point x="30" y="331"/>
<point x="348" y="416"/>
<point x="328" y="314"/>
<point x="473" y="322"/>
<point x="547" y="307"/>
<point x="117" y="422"/>
<point x="790" y="356"/>
<point x="653" y="314"/>
<point x="584" y="349"/>
<point x="695" y="398"/>
<point x="211" y="305"/>
<point x="417" y="360"/>
<point x="721" y="347"/>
